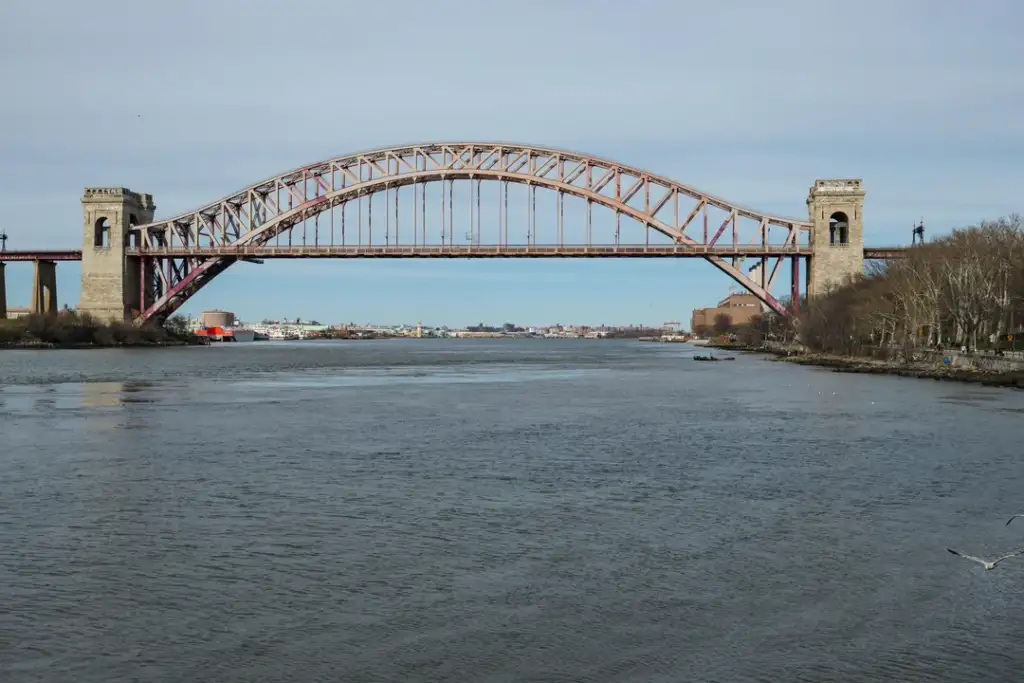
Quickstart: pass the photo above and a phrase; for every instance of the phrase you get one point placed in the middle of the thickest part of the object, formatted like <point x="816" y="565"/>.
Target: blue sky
<point x="190" y="100"/>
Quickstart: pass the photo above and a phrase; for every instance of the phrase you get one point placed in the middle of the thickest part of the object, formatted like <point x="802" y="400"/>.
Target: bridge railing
<point x="467" y="250"/>
<point x="42" y="255"/>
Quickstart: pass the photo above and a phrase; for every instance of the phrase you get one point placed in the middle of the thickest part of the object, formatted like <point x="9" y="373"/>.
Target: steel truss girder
<point x="257" y="214"/>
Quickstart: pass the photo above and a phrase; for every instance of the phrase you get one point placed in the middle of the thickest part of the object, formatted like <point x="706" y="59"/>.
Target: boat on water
<point x="278" y="334"/>
<point x="226" y="334"/>
<point x="713" y="358"/>
<point x="242" y="335"/>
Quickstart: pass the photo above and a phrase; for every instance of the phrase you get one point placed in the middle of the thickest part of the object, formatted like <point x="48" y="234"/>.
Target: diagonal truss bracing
<point x="187" y="251"/>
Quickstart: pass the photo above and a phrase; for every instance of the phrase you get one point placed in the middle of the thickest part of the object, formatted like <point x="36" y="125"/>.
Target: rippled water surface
<point x="485" y="511"/>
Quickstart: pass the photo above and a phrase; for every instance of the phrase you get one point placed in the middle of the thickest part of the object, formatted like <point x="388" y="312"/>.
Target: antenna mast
<point x="918" y="233"/>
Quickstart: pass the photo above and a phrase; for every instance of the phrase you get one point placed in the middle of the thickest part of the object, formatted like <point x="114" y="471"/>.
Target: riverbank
<point x="780" y="351"/>
<point x="36" y="344"/>
<point x="69" y="330"/>
<point x="987" y="371"/>
<point x="978" y="374"/>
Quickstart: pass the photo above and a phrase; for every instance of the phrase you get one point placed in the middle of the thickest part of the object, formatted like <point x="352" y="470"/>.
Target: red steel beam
<point x="475" y="251"/>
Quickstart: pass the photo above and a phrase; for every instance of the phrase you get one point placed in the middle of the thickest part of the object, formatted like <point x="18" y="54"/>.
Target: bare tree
<point x="966" y="289"/>
<point x="723" y="323"/>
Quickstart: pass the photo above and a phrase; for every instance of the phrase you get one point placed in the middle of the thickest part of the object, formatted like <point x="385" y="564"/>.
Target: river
<point x="497" y="511"/>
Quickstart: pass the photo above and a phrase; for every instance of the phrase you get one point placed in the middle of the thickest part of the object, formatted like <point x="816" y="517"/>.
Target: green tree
<point x="177" y="325"/>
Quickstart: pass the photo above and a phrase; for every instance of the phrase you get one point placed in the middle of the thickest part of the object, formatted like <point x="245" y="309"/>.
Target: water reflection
<point x="102" y="394"/>
<point x="46" y="399"/>
<point x="49" y="398"/>
<point x="116" y="394"/>
<point x="118" y="405"/>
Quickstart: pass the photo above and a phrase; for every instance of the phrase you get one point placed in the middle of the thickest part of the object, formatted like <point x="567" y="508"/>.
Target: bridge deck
<point x="459" y="251"/>
<point x="42" y="255"/>
<point x="475" y="251"/>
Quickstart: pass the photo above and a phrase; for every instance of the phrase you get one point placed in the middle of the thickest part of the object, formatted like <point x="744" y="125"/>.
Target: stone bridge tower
<point x="110" y="283"/>
<point x="836" y="211"/>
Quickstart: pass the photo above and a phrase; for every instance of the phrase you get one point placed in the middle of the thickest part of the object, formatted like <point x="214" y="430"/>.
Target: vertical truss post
<point x="647" y="211"/>
<point x="505" y="221"/>
<point x="795" y="284"/>
<point x="705" y="223"/>
<point x="675" y="215"/>
<point x="561" y="234"/>
<point x="143" y="305"/>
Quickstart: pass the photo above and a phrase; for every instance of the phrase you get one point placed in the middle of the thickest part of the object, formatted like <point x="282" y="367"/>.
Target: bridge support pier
<point x="836" y="210"/>
<point x="111" y="282"/>
<point x="3" y="291"/>
<point x="44" y="287"/>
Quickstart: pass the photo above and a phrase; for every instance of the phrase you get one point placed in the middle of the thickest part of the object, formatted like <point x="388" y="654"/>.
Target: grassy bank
<point x="70" y="330"/>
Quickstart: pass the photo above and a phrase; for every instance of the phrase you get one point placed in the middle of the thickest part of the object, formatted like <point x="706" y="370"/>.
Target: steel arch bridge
<point x="180" y="255"/>
<point x="135" y="267"/>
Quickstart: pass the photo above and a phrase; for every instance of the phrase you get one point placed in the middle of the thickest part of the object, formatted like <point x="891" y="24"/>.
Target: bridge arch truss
<point x="180" y="255"/>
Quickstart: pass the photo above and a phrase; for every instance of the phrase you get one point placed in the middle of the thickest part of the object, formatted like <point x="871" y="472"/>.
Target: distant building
<point x="754" y="272"/>
<point x="739" y="307"/>
<point x="217" y="318"/>
<point x="18" y="312"/>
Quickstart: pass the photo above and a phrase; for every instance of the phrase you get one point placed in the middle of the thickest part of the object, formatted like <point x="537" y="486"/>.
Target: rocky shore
<point x="986" y="372"/>
<point x="921" y="370"/>
<point x="70" y="330"/>
<point x="140" y="343"/>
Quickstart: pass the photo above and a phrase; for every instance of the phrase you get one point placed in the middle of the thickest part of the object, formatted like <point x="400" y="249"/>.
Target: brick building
<point x="739" y="307"/>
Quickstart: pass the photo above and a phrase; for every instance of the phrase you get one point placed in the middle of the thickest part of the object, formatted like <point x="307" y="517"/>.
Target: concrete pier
<point x="44" y="287"/>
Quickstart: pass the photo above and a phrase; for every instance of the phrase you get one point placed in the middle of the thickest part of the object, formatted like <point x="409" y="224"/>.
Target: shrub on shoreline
<point x="69" y="328"/>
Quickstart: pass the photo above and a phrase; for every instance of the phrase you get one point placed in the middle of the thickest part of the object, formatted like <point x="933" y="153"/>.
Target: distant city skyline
<point x="919" y="98"/>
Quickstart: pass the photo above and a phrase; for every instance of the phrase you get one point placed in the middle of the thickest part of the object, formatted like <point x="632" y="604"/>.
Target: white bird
<point x="1013" y="518"/>
<point x="986" y="563"/>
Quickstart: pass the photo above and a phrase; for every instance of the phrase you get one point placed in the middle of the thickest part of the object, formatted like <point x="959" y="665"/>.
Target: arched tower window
<point x="839" y="228"/>
<point x="131" y="239"/>
<point x="101" y="233"/>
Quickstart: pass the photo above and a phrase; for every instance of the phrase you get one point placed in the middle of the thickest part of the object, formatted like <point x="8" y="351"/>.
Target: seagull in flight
<point x="986" y="563"/>
<point x="1013" y="518"/>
